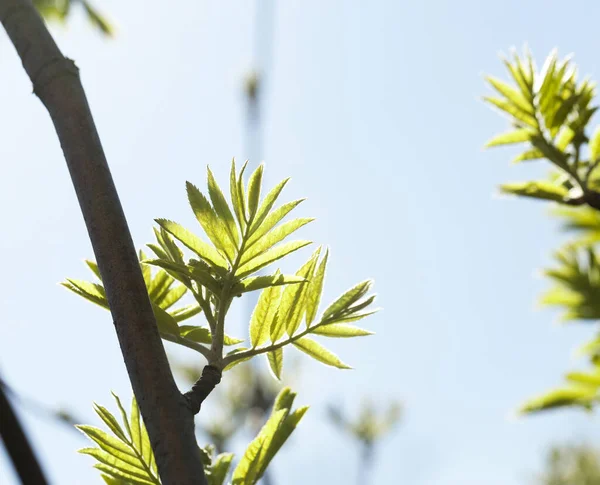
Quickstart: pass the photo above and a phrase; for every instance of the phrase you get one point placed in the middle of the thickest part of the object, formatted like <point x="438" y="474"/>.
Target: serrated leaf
<point x="119" y="462"/>
<point x="159" y="286"/>
<point x="94" y="267"/>
<point x="314" y="291"/>
<point x="168" y="246"/>
<point x="283" y="433"/>
<point x="165" y="322"/>
<point x="275" y="359"/>
<point x="222" y="209"/>
<point x="236" y="362"/>
<point x="267" y="204"/>
<point x="207" y="218"/>
<point x="273" y="237"/>
<point x="185" y="312"/>
<point x="263" y="315"/>
<point x="259" y="282"/>
<point x="193" y="242"/>
<point x="173" y="296"/>
<point x="219" y="469"/>
<point x="124" y="417"/>
<point x="511" y="94"/>
<point x="237" y="202"/>
<point x="90" y="291"/>
<point x="537" y="190"/>
<point x="347" y="299"/>
<point x="107" y="442"/>
<point x="123" y="475"/>
<point x="340" y="330"/>
<point x="513" y="110"/>
<point x="270" y="256"/>
<point x="110" y="421"/>
<point x="516" y="136"/>
<point x="254" y="185"/>
<point x="271" y="220"/>
<point x="318" y="352"/>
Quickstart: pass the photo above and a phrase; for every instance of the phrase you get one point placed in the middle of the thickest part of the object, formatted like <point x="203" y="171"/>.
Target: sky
<point x="374" y="110"/>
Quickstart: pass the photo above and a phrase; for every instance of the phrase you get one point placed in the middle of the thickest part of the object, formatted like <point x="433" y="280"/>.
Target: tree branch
<point x="17" y="445"/>
<point x="56" y="82"/>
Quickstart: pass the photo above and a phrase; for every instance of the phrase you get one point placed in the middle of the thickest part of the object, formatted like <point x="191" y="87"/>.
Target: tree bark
<point x="56" y="82"/>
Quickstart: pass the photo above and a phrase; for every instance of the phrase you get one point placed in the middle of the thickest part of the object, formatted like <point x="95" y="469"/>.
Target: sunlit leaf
<point x="517" y="136"/>
<point x="259" y="282"/>
<point x="263" y="315"/>
<point x="340" y="330"/>
<point x="275" y="358"/>
<point x="269" y="257"/>
<point x="537" y="190"/>
<point x="347" y="299"/>
<point x="318" y="352"/>
<point x="314" y="291"/>
<point x="254" y="184"/>
<point x="222" y="208"/>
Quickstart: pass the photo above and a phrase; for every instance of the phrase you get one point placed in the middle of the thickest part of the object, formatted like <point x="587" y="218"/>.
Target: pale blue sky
<point x="373" y="109"/>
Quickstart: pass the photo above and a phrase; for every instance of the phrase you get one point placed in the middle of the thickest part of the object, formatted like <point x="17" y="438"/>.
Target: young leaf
<point x="537" y="189"/>
<point x="513" y="110"/>
<point x="320" y="353"/>
<point x="193" y="242"/>
<point x="595" y="146"/>
<point x="165" y="322"/>
<point x="263" y="315"/>
<point x="340" y="330"/>
<point x="511" y="94"/>
<point x="269" y="257"/>
<point x="94" y="267"/>
<point x="273" y="237"/>
<point x="90" y="291"/>
<point x="271" y="220"/>
<point x="238" y="203"/>
<point x="222" y="208"/>
<point x="267" y="204"/>
<point x="210" y="223"/>
<point x="219" y="469"/>
<point x="275" y="358"/>
<point x="259" y="282"/>
<point x="347" y="299"/>
<point x="517" y="136"/>
<point x="314" y="291"/>
<point x="254" y="191"/>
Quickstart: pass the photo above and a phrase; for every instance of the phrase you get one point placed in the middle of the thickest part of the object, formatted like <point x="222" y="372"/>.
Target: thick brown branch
<point x="56" y="82"/>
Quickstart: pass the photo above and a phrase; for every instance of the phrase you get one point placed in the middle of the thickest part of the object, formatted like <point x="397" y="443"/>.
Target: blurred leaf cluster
<point x="550" y="112"/>
<point x="571" y="465"/>
<point x="59" y="10"/>
<point x="124" y="456"/>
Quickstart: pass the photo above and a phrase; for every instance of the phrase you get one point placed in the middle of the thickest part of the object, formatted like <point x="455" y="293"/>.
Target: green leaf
<point x="173" y="296"/>
<point x="94" y="267"/>
<point x="347" y="299"/>
<point x="110" y="421"/>
<point x="271" y="220"/>
<point x="210" y="223"/>
<point x="259" y="282"/>
<point x="517" y="136"/>
<point x="273" y="237"/>
<point x="116" y="473"/>
<point x="219" y="469"/>
<point x="123" y="415"/>
<point x="340" y="330"/>
<point x="575" y="396"/>
<point x="159" y="286"/>
<point x="263" y="315"/>
<point x="238" y="203"/>
<point x="222" y="208"/>
<point x="512" y="95"/>
<point x="537" y="189"/>
<point x="551" y="152"/>
<point x="165" y="322"/>
<point x="203" y="335"/>
<point x="533" y="154"/>
<point x="320" y="353"/>
<point x="236" y="362"/>
<point x="595" y="145"/>
<point x="90" y="291"/>
<point x="119" y="463"/>
<point x="254" y="191"/>
<point x="97" y="19"/>
<point x="267" y="204"/>
<point x="275" y="358"/>
<point x="185" y="312"/>
<point x="168" y="246"/>
<point x="269" y="257"/>
<point x="314" y="291"/>
<point x="193" y="242"/>
<point x="108" y="443"/>
<point x="513" y="110"/>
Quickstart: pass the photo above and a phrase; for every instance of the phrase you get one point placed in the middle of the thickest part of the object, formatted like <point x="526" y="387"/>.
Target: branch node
<point x="211" y="376"/>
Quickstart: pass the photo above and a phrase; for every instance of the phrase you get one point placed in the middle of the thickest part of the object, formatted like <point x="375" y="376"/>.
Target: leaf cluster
<point x="242" y="238"/>
<point x="124" y="455"/>
<point x="59" y="10"/>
